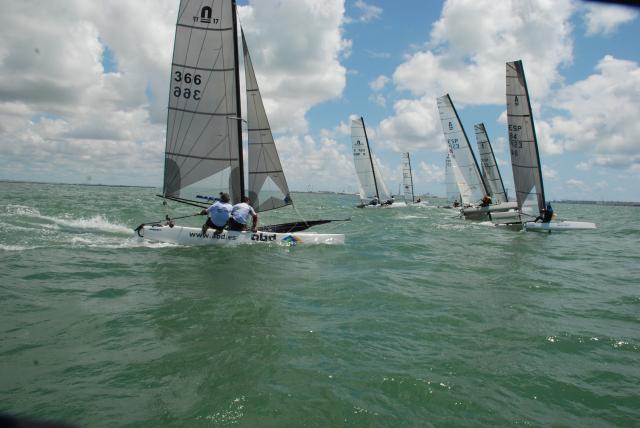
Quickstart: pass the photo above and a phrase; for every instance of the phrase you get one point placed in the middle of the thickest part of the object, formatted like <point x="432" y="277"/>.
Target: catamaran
<point x="525" y="159"/>
<point x="407" y="181"/>
<point x="466" y="162"/>
<point x="204" y="133"/>
<point x="373" y="191"/>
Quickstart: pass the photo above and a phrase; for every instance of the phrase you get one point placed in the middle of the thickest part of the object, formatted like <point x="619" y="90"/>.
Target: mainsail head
<point x="367" y="169"/>
<point x="268" y="187"/>
<point x="203" y="138"/>
<point x="490" y="170"/>
<point x="523" y="144"/>
<point x="458" y="143"/>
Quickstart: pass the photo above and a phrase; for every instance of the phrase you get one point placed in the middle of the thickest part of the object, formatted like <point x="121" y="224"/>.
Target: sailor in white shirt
<point x="240" y="216"/>
<point x="218" y="213"/>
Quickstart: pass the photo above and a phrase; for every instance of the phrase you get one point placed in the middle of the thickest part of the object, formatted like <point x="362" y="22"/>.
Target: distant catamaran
<point x="463" y="157"/>
<point x="204" y="132"/>
<point x="407" y="180"/>
<point x="525" y="158"/>
<point x="373" y="191"/>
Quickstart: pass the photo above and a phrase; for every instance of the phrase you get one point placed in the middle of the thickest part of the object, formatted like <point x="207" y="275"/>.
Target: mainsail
<point x="203" y="133"/>
<point x="407" y="178"/>
<point x="458" y="143"/>
<point x="525" y="159"/>
<point x="490" y="170"/>
<point x="267" y="184"/>
<point x="457" y="187"/>
<point x="367" y="169"/>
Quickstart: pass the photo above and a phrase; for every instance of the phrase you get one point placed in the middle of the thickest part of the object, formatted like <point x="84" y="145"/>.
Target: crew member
<point x="546" y="214"/>
<point x="218" y="214"/>
<point x="486" y="201"/>
<point x="240" y="216"/>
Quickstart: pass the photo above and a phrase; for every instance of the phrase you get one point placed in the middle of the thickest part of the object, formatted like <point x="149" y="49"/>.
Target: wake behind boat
<point x="204" y="133"/>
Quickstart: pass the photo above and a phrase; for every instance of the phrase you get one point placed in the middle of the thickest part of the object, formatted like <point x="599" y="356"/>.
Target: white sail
<point x="453" y="194"/>
<point x="203" y="139"/>
<point x="407" y="178"/>
<point x="523" y="144"/>
<point x="369" y="177"/>
<point x="464" y="190"/>
<point x="458" y="143"/>
<point x="490" y="170"/>
<point x="268" y="187"/>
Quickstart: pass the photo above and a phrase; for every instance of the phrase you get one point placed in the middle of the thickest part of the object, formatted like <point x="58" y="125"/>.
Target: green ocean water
<point x="421" y="319"/>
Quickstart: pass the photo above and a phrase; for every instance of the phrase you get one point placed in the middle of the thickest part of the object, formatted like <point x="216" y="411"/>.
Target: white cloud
<point x="605" y="19"/>
<point x="378" y="99"/>
<point x="572" y="182"/>
<point x="549" y="173"/>
<point x="62" y="114"/>
<point x="466" y="57"/>
<point x="296" y="73"/>
<point x="430" y="173"/>
<point x="379" y="82"/>
<point x="324" y="165"/>
<point x="416" y="125"/>
<point x="368" y="12"/>
<point x="602" y="115"/>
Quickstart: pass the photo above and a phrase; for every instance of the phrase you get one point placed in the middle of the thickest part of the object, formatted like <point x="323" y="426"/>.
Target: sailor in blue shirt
<point x="218" y="214"/>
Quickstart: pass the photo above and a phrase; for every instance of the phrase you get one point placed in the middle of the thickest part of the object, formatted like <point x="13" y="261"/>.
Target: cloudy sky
<point x="84" y="87"/>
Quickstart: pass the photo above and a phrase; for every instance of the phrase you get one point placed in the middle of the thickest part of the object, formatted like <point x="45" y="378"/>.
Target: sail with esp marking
<point x="268" y="187"/>
<point x="490" y="170"/>
<point x="203" y="134"/>
<point x="523" y="144"/>
<point x="458" y="143"/>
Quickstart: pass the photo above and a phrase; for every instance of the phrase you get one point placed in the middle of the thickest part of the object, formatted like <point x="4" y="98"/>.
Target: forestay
<point x="458" y="143"/>
<point x="407" y="178"/>
<point x="203" y="139"/>
<point x="367" y="169"/>
<point x="523" y="144"/>
<point x="268" y="187"/>
<point x="490" y="170"/>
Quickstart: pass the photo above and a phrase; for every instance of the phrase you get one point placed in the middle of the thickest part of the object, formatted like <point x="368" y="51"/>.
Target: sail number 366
<point x="187" y="78"/>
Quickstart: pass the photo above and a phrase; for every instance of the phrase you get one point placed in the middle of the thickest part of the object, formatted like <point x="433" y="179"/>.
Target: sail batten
<point x="458" y="143"/>
<point x="490" y="170"/>
<point x="523" y="144"/>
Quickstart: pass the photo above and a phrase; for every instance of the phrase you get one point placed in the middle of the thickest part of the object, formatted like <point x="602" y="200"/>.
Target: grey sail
<point x="458" y="143"/>
<point x="267" y="184"/>
<point x="490" y="170"/>
<point x="407" y="178"/>
<point x="523" y="144"/>
<point x="203" y="137"/>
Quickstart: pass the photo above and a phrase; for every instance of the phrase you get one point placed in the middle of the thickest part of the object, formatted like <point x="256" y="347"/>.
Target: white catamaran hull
<point x="482" y="213"/>
<point x="557" y="226"/>
<point x="192" y="236"/>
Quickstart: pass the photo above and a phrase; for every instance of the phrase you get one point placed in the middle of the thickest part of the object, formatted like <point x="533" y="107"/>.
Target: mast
<point x="520" y="68"/>
<point x="238" y="108"/>
<point x="411" y="177"/>
<point x="375" y="183"/>
<point x="475" y="161"/>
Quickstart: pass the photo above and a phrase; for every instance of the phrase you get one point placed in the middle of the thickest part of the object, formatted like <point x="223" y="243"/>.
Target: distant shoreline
<point x="607" y="203"/>
<point x="75" y="184"/>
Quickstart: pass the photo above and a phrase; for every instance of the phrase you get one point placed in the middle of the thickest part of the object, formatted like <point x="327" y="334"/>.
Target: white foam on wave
<point x="4" y="247"/>
<point x="96" y="223"/>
